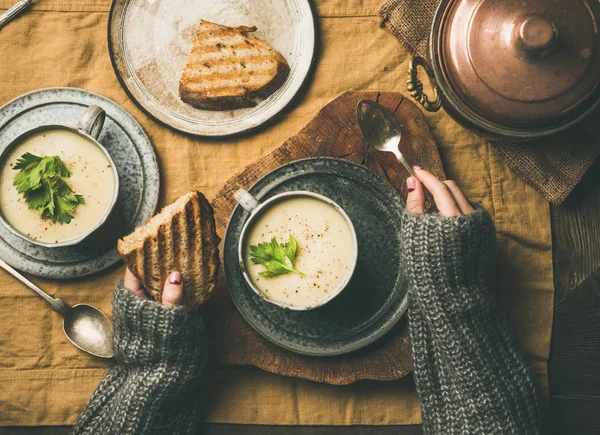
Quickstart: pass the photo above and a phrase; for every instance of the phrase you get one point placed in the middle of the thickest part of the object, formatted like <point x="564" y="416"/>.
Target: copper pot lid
<point x="520" y="63"/>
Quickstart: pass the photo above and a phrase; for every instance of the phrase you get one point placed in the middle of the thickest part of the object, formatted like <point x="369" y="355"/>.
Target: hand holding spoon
<point x="382" y="132"/>
<point x="85" y="326"/>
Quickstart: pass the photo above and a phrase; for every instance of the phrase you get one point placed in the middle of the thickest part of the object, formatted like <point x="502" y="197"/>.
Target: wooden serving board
<point x="334" y="132"/>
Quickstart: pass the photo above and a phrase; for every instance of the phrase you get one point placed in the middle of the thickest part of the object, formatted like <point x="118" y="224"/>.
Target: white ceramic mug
<point x="254" y="207"/>
<point x="89" y="126"/>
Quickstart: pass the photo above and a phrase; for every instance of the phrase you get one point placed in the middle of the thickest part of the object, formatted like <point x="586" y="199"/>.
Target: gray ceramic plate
<point x="149" y="43"/>
<point x="375" y="299"/>
<point x="133" y="155"/>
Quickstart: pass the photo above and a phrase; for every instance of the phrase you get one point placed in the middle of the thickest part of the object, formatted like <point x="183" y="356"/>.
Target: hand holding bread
<point x="172" y="295"/>
<point x="182" y="238"/>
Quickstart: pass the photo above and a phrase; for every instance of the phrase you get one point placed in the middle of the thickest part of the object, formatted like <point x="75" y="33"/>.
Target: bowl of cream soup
<point x="297" y="250"/>
<point x="58" y="184"/>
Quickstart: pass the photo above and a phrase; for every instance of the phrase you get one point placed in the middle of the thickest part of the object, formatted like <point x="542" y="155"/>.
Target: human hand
<point x="449" y="199"/>
<point x="172" y="294"/>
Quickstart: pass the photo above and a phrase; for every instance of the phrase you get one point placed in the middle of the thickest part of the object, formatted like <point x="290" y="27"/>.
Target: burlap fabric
<point x="552" y="165"/>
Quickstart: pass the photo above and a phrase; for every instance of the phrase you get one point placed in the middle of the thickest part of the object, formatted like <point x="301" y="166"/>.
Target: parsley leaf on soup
<point x="277" y="258"/>
<point x="41" y="181"/>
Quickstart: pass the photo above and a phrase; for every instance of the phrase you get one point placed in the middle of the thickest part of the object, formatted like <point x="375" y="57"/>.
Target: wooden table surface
<point x="574" y="367"/>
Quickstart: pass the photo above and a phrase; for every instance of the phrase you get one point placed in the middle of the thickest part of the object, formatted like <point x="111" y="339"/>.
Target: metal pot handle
<point x="415" y="86"/>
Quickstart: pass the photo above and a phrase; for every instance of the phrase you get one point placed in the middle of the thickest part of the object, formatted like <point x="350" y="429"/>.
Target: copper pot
<point x="513" y="69"/>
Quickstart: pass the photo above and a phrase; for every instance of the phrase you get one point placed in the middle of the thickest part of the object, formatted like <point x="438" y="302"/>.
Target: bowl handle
<point x="245" y="200"/>
<point x="92" y="121"/>
<point x="415" y="86"/>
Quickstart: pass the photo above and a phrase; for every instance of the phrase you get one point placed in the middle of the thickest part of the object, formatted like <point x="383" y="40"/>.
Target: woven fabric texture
<point x="469" y="375"/>
<point x="552" y="165"/>
<point x="155" y="385"/>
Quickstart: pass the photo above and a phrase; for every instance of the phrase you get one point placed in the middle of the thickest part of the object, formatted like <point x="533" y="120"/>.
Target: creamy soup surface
<point x="91" y="176"/>
<point x="325" y="250"/>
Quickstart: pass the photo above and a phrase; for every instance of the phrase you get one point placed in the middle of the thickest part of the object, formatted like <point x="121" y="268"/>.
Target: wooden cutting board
<point x="334" y="132"/>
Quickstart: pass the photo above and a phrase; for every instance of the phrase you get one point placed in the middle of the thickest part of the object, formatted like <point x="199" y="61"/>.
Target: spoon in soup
<point x="383" y="132"/>
<point x="85" y="326"/>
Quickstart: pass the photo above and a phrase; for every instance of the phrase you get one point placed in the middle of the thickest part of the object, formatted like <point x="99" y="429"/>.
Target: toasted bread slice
<point x="181" y="237"/>
<point x="229" y="69"/>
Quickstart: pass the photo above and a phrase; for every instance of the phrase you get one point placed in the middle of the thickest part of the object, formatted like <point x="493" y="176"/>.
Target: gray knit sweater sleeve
<point x="469" y="375"/>
<point x="154" y="386"/>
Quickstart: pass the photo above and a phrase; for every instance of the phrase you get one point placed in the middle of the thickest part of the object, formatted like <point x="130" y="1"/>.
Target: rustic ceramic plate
<point x="149" y="42"/>
<point x="375" y="299"/>
<point x="130" y="149"/>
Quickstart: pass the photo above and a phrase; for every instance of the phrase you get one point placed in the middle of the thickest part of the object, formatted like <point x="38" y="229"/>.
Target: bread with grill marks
<point x="228" y="69"/>
<point x="181" y="237"/>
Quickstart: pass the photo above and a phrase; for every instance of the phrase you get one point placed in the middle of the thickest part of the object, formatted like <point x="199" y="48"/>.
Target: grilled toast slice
<point x="229" y="69"/>
<point x="181" y="237"/>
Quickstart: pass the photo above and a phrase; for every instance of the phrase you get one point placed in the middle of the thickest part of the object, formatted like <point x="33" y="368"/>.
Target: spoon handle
<point x="56" y="304"/>
<point x="402" y="160"/>
<point x="13" y="11"/>
<point x="429" y="201"/>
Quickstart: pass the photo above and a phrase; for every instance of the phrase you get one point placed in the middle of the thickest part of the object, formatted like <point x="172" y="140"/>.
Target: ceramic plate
<point x="377" y="296"/>
<point x="133" y="155"/>
<point x="150" y="41"/>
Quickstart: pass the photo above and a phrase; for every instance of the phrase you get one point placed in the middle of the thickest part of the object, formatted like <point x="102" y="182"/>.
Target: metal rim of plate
<point x="145" y="208"/>
<point x="255" y="310"/>
<point x="145" y="101"/>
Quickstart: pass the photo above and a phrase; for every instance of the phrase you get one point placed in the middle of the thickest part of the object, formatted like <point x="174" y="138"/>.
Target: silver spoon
<point x="85" y="326"/>
<point x="383" y="132"/>
<point x="13" y="11"/>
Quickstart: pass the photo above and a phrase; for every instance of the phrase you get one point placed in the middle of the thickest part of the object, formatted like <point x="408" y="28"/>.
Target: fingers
<point x="442" y="196"/>
<point x="131" y="283"/>
<point x="461" y="200"/>
<point x="173" y="291"/>
<point x="415" y="201"/>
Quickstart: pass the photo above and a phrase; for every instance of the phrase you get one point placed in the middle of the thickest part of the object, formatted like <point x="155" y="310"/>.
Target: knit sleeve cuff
<point x="449" y="259"/>
<point x="147" y="332"/>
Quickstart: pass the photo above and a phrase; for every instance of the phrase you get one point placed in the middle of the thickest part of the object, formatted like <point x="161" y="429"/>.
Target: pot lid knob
<point x="534" y="37"/>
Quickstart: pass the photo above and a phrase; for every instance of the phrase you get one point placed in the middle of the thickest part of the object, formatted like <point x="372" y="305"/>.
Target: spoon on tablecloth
<point x="13" y="11"/>
<point x="383" y="132"/>
<point x="85" y="326"/>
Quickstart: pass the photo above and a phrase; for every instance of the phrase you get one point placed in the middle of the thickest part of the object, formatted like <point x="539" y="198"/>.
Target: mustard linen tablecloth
<point x="44" y="380"/>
